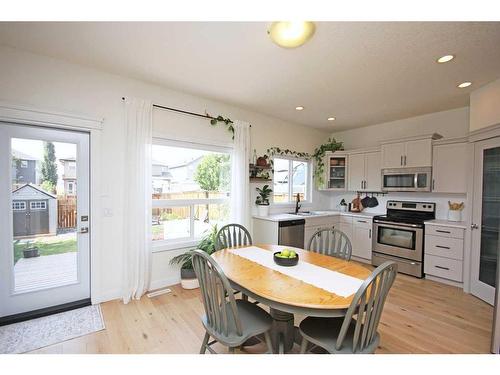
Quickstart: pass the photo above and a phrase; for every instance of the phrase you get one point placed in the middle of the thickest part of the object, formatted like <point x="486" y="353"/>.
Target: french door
<point x="44" y="215"/>
<point x="486" y="219"/>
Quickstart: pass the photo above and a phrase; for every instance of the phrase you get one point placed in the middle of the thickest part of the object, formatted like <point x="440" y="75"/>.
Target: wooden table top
<point x="281" y="288"/>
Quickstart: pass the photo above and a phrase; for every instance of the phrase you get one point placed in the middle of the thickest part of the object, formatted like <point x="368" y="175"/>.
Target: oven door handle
<point x="396" y="226"/>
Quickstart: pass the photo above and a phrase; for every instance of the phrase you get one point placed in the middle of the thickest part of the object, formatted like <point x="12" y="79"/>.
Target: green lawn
<point x="60" y="247"/>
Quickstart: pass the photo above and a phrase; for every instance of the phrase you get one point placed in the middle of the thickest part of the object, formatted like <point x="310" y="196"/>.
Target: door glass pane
<point x="396" y="237"/>
<point x="44" y="214"/>
<point x="299" y="178"/>
<point x="170" y="223"/>
<point x="399" y="181"/>
<point x="490" y="221"/>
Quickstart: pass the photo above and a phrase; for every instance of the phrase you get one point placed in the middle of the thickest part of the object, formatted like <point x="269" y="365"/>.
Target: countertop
<point x="447" y="223"/>
<point x="285" y="217"/>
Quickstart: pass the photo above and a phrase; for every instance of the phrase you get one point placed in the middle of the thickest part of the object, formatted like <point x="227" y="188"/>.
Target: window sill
<point x="171" y="246"/>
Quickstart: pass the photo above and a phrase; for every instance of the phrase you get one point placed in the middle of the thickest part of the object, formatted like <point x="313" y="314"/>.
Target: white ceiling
<point x="361" y="73"/>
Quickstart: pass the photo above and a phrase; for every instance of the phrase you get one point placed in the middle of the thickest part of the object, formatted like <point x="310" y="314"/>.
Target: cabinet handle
<point x="433" y="184"/>
<point x="443" y="247"/>
<point x="401" y="160"/>
<point x="443" y="231"/>
<point x="443" y="268"/>
<point x="370" y="234"/>
<point x="405" y="159"/>
<point x="361" y="184"/>
<point x="361" y="221"/>
<point x="365" y="184"/>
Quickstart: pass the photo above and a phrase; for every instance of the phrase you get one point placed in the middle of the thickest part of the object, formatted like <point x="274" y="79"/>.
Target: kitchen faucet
<point x="297" y="204"/>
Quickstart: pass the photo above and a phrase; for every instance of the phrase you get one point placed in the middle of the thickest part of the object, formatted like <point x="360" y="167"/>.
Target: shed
<point x="34" y="211"/>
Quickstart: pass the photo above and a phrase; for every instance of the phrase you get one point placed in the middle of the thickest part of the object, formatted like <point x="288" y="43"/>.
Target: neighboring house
<point x="69" y="176"/>
<point x="34" y="211"/>
<point x="24" y="169"/>
<point x="161" y="177"/>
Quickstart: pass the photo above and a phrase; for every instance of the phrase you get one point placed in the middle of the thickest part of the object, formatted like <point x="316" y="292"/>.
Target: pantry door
<point x="485" y="219"/>
<point x="45" y="221"/>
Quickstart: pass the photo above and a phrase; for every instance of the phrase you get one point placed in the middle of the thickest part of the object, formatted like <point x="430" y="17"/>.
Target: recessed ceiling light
<point x="464" y="85"/>
<point x="291" y="34"/>
<point x="445" y="58"/>
<point x="299" y="108"/>
<point x="331" y="118"/>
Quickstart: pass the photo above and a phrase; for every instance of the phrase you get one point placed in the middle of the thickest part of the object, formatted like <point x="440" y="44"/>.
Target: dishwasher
<point x="291" y="233"/>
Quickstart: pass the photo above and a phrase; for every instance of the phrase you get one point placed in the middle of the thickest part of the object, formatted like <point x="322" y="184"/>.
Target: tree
<point x="212" y="174"/>
<point x="49" y="166"/>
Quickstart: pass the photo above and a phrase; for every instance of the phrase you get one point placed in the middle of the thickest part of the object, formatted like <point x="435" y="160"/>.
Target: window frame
<point x="186" y="242"/>
<point x="308" y="190"/>
<point x="33" y="205"/>
<point x="20" y="203"/>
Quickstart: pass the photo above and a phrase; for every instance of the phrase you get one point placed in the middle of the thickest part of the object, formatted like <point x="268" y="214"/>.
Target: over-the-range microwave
<point x="407" y="179"/>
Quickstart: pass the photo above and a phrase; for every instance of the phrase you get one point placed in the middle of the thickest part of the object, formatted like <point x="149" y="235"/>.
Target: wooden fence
<point x="66" y="212"/>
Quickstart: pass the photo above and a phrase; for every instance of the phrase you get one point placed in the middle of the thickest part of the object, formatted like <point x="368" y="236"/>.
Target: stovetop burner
<point x="408" y="212"/>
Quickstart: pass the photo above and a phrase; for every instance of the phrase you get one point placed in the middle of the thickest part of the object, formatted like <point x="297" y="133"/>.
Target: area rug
<point x="37" y="333"/>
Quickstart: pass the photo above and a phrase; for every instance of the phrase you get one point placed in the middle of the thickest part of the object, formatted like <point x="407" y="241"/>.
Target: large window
<point x="291" y="177"/>
<point x="191" y="186"/>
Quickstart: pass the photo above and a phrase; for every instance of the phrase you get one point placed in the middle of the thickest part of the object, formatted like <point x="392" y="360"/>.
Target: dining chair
<point x="232" y="235"/>
<point x="357" y="331"/>
<point x="331" y="241"/>
<point x="229" y="321"/>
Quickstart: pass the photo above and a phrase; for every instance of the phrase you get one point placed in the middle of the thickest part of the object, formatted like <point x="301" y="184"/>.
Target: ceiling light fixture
<point x="299" y="108"/>
<point x="464" y="85"/>
<point x="445" y="58"/>
<point x="291" y="34"/>
<point x="331" y="119"/>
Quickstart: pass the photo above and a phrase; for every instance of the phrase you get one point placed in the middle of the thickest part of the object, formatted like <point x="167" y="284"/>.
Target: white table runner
<point x="331" y="281"/>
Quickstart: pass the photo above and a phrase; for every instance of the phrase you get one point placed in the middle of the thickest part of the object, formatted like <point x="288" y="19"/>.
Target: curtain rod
<point x="185" y="112"/>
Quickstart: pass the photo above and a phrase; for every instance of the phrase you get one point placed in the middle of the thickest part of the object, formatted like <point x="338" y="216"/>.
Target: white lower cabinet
<point x="313" y="224"/>
<point x="362" y="238"/>
<point x="444" y="252"/>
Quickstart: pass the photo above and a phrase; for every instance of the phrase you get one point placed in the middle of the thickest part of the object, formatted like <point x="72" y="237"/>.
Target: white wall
<point x="48" y="83"/>
<point x="485" y="106"/>
<point x="450" y="124"/>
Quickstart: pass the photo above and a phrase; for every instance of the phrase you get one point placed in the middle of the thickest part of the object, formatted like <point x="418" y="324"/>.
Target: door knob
<point x="474" y="226"/>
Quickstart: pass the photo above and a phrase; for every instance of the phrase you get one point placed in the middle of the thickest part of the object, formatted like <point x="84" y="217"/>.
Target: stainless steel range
<point x="399" y="235"/>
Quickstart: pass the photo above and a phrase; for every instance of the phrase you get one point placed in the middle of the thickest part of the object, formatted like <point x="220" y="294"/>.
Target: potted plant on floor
<point x="31" y="251"/>
<point x="262" y="200"/>
<point x="188" y="276"/>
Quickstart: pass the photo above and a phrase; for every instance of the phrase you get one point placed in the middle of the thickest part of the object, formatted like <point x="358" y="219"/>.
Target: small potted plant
<point x="188" y="276"/>
<point x="262" y="200"/>
<point x="31" y="251"/>
<point x="455" y="211"/>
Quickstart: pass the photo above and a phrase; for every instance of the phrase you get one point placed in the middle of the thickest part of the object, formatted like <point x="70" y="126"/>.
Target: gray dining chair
<point x="232" y="235"/>
<point x="331" y="241"/>
<point x="229" y="321"/>
<point x="357" y="331"/>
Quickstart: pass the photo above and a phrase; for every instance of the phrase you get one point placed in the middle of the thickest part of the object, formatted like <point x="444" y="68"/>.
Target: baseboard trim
<point x="444" y="281"/>
<point x="162" y="283"/>
<point x="16" y="318"/>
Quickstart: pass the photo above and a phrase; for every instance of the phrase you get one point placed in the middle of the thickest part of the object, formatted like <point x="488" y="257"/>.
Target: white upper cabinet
<point x="356" y="172"/>
<point x="408" y="154"/>
<point x="418" y="153"/>
<point x="449" y="168"/>
<point x="365" y="171"/>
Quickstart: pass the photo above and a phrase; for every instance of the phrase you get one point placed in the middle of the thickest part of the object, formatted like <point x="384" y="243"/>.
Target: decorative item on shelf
<point x="254" y="157"/>
<point x="262" y="161"/>
<point x="343" y="205"/>
<point x="455" y="211"/>
<point x="259" y="170"/>
<point x="356" y="205"/>
<point x="262" y="200"/>
<point x="188" y="277"/>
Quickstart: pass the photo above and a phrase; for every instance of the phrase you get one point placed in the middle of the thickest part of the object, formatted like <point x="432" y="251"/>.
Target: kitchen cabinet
<point x="407" y="154"/>
<point x="313" y="224"/>
<point x="365" y="171"/>
<point x="449" y="168"/>
<point x="336" y="171"/>
<point x="362" y="238"/>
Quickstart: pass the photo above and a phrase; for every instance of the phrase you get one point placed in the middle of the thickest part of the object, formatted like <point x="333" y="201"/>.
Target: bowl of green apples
<point x="286" y="258"/>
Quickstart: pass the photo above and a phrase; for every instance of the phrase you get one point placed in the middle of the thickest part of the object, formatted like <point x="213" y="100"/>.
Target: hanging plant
<point x="227" y="122"/>
<point x="319" y="153"/>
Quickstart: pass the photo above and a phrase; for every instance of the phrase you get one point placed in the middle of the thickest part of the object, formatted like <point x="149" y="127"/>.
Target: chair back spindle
<point x="331" y="241"/>
<point x="232" y="235"/>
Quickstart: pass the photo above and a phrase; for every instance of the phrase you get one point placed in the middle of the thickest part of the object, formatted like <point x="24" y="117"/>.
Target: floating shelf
<point x="257" y="179"/>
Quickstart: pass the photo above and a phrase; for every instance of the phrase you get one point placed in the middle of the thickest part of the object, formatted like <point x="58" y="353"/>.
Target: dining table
<point x="318" y="292"/>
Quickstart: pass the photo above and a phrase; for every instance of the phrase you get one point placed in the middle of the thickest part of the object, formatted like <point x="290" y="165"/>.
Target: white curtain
<point x="240" y="187"/>
<point x="137" y="199"/>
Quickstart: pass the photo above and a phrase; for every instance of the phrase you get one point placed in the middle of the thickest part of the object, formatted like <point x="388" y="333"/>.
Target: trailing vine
<point x="318" y="156"/>
<point x="228" y="122"/>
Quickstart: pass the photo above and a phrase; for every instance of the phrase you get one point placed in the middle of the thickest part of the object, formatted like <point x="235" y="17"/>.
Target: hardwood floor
<point x="420" y="316"/>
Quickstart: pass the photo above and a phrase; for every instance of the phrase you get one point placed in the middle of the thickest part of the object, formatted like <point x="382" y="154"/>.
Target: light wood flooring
<point x="420" y="316"/>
